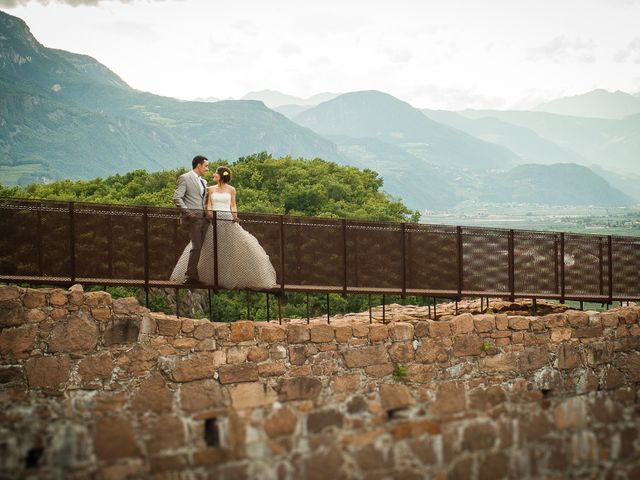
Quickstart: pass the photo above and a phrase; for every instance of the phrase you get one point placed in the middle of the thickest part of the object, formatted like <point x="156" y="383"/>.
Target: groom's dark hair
<point x="198" y="159"/>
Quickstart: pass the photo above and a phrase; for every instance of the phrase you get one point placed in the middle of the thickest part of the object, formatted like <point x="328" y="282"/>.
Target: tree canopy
<point x="264" y="184"/>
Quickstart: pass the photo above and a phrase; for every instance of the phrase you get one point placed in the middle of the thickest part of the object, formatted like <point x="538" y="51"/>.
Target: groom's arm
<point x="178" y="195"/>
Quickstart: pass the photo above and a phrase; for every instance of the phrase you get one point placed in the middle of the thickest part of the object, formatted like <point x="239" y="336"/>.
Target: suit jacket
<point x="188" y="196"/>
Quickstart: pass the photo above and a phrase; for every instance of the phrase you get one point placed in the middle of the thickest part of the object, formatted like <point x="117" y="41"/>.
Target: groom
<point x="190" y="197"/>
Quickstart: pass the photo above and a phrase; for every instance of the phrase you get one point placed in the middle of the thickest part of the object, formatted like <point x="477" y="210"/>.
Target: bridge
<point x="63" y="243"/>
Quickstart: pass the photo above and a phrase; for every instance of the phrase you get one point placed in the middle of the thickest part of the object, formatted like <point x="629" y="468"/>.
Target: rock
<point x="401" y="332"/>
<point x="11" y="313"/>
<point x="123" y="329"/>
<point x="450" y="398"/>
<point x="96" y="367"/>
<point x="201" y="395"/>
<point x="198" y="366"/>
<point x="114" y="439"/>
<point x="299" y="388"/>
<point x="153" y="396"/>
<point x="251" y="395"/>
<point x="280" y="422"/>
<point x="77" y="334"/>
<point x="362" y="357"/>
<point x="395" y="396"/>
<point x="297" y="333"/>
<point x="242" y="331"/>
<point x="271" y="333"/>
<point x="244" y="372"/>
<point x="321" y="333"/>
<point x="317" y="421"/>
<point x="48" y="373"/>
<point x="15" y="341"/>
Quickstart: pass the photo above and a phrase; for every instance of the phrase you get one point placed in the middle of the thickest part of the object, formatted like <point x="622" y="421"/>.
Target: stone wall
<point x="92" y="387"/>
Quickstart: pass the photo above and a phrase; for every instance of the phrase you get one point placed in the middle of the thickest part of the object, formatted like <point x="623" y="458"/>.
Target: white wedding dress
<point x="242" y="262"/>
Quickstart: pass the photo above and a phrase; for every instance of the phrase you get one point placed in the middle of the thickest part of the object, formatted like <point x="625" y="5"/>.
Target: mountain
<point x="291" y="110"/>
<point x="65" y="115"/>
<point x="612" y="144"/>
<point x="558" y="184"/>
<point x="523" y="141"/>
<point x="273" y="98"/>
<point x="595" y="104"/>
<point x="373" y="114"/>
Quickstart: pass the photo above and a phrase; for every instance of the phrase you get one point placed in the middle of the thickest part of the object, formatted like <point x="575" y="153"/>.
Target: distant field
<point x="596" y="220"/>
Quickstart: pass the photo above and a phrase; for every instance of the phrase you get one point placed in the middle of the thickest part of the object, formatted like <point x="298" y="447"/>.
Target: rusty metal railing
<point x="53" y="242"/>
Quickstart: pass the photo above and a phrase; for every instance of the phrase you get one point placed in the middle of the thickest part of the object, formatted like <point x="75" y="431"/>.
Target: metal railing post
<point x="512" y="282"/>
<point x="404" y="262"/>
<point x="459" y="258"/>
<point x="344" y="256"/>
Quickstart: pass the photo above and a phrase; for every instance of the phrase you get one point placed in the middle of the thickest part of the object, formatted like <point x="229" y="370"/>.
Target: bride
<point x="242" y="262"/>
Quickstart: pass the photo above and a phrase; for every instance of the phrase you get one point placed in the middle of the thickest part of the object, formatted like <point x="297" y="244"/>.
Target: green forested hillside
<point x="265" y="184"/>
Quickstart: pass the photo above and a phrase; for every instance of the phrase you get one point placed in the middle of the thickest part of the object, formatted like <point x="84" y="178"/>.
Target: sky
<point x="441" y="54"/>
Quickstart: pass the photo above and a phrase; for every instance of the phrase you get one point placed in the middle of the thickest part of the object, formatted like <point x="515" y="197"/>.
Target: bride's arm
<point x="234" y="208"/>
<point x="209" y="203"/>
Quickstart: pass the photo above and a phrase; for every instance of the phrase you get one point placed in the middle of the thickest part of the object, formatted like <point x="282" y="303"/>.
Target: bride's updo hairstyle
<point x="225" y="174"/>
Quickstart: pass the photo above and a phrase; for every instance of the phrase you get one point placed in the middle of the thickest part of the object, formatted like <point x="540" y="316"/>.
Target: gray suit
<point x="192" y="202"/>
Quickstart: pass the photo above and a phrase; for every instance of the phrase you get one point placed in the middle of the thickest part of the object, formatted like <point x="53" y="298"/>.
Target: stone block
<point x="345" y="383"/>
<point x="280" y="422"/>
<point x="168" y="326"/>
<point x="237" y="355"/>
<point x="102" y="314"/>
<point x="162" y="463"/>
<point x="114" y="438"/>
<point x="321" y="333"/>
<point x="555" y="320"/>
<point x="485" y="398"/>
<point x="478" y="436"/>
<point x="204" y="330"/>
<point x="78" y="334"/>
<point x="439" y="328"/>
<point x="609" y="319"/>
<point x="378" y="332"/>
<point x="577" y="318"/>
<point x="467" y="345"/>
<point x="183" y="343"/>
<point x="299" y="388"/>
<point x="502" y="322"/>
<point x="323" y="464"/>
<point x="430" y="351"/>
<point x="395" y="396"/>
<point x="633" y="366"/>
<point x="242" y="331"/>
<point x="587" y="332"/>
<point x="450" y="398"/>
<point x="12" y="313"/>
<point x="599" y="353"/>
<point x="34" y="298"/>
<point x="319" y="420"/>
<point x="343" y="333"/>
<point x="168" y="432"/>
<point x="76" y="295"/>
<point x="251" y="395"/>
<point x="202" y="395"/>
<point x="223" y="331"/>
<point x="567" y="357"/>
<point x="421" y="329"/>
<point x="14" y="342"/>
<point x="297" y="333"/>
<point x="362" y="357"/>
<point x="188" y="325"/>
<point x="153" y="395"/>
<point x="123" y="330"/>
<point x="461" y="324"/>
<point x="360" y="330"/>
<point x="34" y="315"/>
<point x="379" y="371"/>
<point x="297" y="354"/>
<point x="96" y="367"/>
<point x="258" y="354"/>
<point x="417" y="373"/>
<point x="271" y="333"/>
<point x="502" y="362"/>
<point x="401" y="352"/>
<point x="537" y="324"/>
<point x="272" y="369"/>
<point x="533" y="358"/>
<point x="484" y="323"/>
<point x="48" y="373"/>
<point x="198" y="366"/>
<point x="519" y="323"/>
<point x="560" y="334"/>
<point x="58" y="297"/>
<point x="401" y="332"/>
<point x="244" y="372"/>
<point x="97" y="299"/>
<point x="9" y="292"/>
<point x="126" y="306"/>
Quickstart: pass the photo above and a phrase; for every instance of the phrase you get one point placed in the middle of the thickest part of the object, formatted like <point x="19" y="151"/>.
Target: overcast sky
<point x="449" y="54"/>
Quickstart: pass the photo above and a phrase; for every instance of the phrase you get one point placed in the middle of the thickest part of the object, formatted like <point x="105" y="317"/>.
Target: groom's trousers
<point x="197" y="231"/>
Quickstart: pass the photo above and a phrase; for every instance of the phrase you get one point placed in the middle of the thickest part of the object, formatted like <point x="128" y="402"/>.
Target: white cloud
<point x="564" y="50"/>
<point x="630" y="54"/>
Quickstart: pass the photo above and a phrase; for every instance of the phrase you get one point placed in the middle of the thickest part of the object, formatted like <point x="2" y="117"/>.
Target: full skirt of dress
<point x="242" y="262"/>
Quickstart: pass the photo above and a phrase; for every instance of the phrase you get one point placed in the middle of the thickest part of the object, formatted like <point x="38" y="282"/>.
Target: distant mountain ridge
<point x="66" y="115"/>
<point x="273" y="98"/>
<point x="594" y="104"/>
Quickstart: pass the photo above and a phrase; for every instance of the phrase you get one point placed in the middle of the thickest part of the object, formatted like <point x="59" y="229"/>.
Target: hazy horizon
<point x="438" y="55"/>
